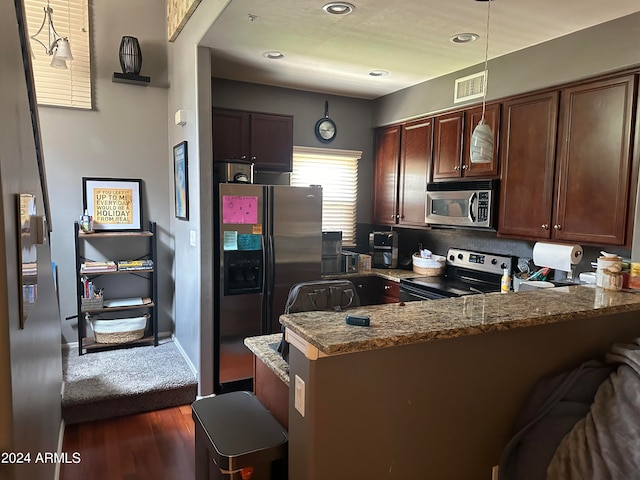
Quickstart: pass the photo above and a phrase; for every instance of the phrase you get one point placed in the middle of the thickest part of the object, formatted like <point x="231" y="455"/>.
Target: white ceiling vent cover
<point x="469" y="87"/>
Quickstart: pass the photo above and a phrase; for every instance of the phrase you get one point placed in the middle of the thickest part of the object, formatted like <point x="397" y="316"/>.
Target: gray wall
<point x="190" y="79"/>
<point x="352" y="117"/>
<point x="124" y="136"/>
<point x="610" y="46"/>
<point x="30" y="358"/>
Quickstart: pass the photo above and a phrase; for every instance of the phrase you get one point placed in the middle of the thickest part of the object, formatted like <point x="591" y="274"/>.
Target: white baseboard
<point x="184" y="354"/>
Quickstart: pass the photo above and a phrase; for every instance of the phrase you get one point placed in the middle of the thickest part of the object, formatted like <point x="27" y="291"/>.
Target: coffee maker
<point x="383" y="248"/>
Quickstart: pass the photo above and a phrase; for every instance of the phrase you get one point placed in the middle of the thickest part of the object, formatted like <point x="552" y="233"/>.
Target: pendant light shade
<point x="54" y="45"/>
<point x="482" y="143"/>
<point x="63" y="50"/>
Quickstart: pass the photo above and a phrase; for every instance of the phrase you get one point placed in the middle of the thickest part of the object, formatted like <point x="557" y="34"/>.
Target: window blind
<point x="337" y="172"/>
<point x="54" y="86"/>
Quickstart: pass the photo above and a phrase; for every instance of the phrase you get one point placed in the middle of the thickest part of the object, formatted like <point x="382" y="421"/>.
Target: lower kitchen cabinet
<point x="374" y="290"/>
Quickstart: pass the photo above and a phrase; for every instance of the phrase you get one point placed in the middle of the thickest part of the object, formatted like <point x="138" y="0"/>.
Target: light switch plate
<point x="299" y="395"/>
<point x="192" y="238"/>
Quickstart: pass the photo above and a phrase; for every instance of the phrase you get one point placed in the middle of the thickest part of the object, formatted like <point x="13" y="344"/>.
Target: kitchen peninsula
<point x="431" y="389"/>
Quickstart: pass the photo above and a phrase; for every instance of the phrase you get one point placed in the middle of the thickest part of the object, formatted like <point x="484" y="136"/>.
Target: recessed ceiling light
<point x="273" y="55"/>
<point x="339" y="8"/>
<point x="464" y="37"/>
<point x="378" y="73"/>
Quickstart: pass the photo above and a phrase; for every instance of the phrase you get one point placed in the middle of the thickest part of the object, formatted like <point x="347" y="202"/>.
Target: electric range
<point x="466" y="272"/>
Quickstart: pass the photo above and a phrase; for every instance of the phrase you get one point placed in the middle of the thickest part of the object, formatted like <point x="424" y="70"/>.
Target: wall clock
<point x="325" y="128"/>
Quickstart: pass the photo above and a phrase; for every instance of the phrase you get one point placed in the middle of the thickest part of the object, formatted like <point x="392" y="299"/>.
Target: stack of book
<point x="135" y="264"/>
<point x="98" y="267"/>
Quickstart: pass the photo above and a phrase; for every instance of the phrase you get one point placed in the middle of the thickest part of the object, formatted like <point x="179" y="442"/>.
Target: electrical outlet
<point x="299" y="395"/>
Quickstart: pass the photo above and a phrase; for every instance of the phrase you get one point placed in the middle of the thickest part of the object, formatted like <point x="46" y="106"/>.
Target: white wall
<point x="124" y="136"/>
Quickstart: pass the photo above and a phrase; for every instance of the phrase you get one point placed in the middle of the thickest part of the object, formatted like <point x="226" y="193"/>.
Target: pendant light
<point x="482" y="144"/>
<point x="56" y="46"/>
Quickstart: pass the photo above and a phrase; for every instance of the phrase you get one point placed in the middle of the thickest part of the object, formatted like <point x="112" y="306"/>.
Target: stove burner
<point x="466" y="273"/>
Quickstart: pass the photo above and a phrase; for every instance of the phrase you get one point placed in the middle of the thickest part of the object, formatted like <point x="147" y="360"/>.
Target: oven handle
<point x="473" y="205"/>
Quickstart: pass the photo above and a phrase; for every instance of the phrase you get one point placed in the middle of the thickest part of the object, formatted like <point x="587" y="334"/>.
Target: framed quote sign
<point x="114" y="203"/>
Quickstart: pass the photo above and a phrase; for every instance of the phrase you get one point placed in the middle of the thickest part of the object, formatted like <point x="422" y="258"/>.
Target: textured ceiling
<point x="409" y="39"/>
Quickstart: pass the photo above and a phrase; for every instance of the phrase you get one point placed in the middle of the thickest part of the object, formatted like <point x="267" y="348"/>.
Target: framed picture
<point x="181" y="177"/>
<point x="114" y="203"/>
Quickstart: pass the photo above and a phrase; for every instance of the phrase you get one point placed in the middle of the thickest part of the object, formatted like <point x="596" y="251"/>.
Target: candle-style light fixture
<point x="56" y="46"/>
<point x="482" y="144"/>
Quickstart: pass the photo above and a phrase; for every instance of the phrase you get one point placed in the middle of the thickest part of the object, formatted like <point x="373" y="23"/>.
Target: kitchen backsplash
<point x="440" y="240"/>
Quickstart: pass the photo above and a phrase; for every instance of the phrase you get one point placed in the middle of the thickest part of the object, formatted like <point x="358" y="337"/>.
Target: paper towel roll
<point x="556" y="255"/>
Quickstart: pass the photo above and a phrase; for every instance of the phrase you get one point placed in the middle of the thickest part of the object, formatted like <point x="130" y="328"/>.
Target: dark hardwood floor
<point x="156" y="445"/>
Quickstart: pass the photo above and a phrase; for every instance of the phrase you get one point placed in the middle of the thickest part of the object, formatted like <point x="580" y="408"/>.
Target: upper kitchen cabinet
<point x="415" y="161"/>
<point x="403" y="158"/>
<point x="385" y="191"/>
<point x="593" y="175"/>
<point x="528" y="159"/>
<point x="471" y="118"/>
<point x="452" y="139"/>
<point x="581" y="192"/>
<point x="264" y="139"/>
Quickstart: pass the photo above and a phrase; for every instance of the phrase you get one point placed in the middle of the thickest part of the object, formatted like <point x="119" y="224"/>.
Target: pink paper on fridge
<point x="239" y="209"/>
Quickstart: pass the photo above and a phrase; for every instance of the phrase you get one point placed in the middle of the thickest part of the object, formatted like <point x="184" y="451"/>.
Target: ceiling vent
<point x="469" y="87"/>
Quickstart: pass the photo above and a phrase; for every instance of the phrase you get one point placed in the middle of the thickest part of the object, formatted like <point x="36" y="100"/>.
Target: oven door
<point x="412" y="294"/>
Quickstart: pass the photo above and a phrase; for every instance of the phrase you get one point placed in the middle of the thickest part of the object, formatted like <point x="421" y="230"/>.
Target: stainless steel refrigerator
<point x="268" y="238"/>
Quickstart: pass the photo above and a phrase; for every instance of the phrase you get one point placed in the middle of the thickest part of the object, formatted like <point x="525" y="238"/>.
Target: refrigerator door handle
<point x="269" y="284"/>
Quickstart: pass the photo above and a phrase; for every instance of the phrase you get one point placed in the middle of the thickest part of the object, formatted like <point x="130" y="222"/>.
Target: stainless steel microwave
<point x="461" y="203"/>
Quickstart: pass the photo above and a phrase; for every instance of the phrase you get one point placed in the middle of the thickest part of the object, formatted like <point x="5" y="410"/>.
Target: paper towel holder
<point x="574" y="258"/>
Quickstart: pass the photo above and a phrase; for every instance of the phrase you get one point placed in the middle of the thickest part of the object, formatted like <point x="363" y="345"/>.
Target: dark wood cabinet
<point x="594" y="162"/>
<point x="402" y="162"/>
<point x="373" y="290"/>
<point x="528" y="159"/>
<point x="264" y="139"/>
<point x="452" y="140"/>
<point x="447" y="145"/>
<point x="581" y="192"/>
<point x="385" y="191"/>
<point x="415" y="162"/>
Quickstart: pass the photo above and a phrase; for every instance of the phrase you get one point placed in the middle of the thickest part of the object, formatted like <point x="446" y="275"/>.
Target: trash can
<point x="237" y="438"/>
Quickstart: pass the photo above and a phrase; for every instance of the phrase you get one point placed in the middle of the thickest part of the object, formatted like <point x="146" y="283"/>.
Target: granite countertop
<point x="411" y="322"/>
<point x="393" y="274"/>
<point x="265" y="348"/>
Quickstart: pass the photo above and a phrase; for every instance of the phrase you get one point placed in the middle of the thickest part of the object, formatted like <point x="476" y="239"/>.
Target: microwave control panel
<point x="483" y="206"/>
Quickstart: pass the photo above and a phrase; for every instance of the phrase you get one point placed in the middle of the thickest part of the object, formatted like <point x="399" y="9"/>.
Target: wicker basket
<point x="422" y="265"/>
<point x="87" y="304"/>
<point x="121" y="330"/>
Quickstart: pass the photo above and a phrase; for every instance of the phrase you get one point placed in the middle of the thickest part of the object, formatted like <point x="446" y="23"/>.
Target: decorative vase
<point x="130" y="55"/>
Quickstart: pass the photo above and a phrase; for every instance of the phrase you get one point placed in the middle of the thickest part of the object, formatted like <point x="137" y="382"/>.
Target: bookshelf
<point x="143" y="279"/>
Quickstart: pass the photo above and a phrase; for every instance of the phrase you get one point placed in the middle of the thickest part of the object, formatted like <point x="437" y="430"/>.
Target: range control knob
<point x="452" y="258"/>
<point x="503" y="266"/>
<point x="460" y="256"/>
<point x="494" y="261"/>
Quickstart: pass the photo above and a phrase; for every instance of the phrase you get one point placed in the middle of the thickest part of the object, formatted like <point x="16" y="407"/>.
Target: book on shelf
<point x="124" y="302"/>
<point x="97" y="267"/>
<point x="135" y="264"/>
